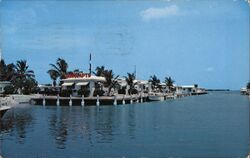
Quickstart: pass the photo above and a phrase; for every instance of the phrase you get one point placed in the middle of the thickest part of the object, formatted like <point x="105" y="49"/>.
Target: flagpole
<point x="90" y="65"/>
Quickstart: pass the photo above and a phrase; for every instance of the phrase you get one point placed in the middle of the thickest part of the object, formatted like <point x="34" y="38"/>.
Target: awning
<point x="68" y="84"/>
<point x="82" y="83"/>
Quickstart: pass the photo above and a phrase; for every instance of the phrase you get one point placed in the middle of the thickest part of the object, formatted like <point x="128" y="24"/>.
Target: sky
<point x="195" y="42"/>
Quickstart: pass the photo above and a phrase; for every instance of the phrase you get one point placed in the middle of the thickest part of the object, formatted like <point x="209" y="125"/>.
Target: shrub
<point x="9" y="89"/>
<point x="66" y="93"/>
<point x="99" y="92"/>
<point x="122" y="91"/>
<point x="84" y="92"/>
<point x="133" y="91"/>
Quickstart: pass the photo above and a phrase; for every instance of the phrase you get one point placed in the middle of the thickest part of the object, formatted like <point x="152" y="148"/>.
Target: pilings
<point x="131" y="99"/>
<point x="115" y="100"/>
<point x="44" y="101"/>
<point x="57" y="100"/>
<point x="141" y="98"/>
<point x="123" y="100"/>
<point x="82" y="102"/>
<point x="137" y="99"/>
<point x="70" y="100"/>
<point x="97" y="101"/>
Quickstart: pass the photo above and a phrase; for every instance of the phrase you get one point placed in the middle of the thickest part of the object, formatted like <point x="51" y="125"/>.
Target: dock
<point x="97" y="100"/>
<point x="87" y="101"/>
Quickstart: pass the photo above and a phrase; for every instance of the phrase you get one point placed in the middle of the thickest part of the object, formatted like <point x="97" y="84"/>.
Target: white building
<point x="3" y="84"/>
<point x="77" y="81"/>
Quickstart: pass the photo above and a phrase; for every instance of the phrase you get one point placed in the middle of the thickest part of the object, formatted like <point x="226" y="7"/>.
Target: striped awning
<point x="68" y="84"/>
<point x="82" y="83"/>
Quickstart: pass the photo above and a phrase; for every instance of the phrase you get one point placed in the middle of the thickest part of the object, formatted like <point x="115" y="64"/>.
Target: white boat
<point x="5" y="105"/>
<point x="3" y="110"/>
<point x="156" y="97"/>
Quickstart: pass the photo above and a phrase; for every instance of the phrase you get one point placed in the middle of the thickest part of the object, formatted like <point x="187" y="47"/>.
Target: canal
<point x="212" y="125"/>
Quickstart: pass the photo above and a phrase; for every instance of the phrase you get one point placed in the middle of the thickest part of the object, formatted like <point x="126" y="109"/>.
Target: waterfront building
<point x="3" y="84"/>
<point x="193" y="89"/>
<point x="141" y="86"/>
<point x="77" y="81"/>
<point x="48" y="89"/>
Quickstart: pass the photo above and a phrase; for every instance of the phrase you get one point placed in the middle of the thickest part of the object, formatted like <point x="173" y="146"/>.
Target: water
<point x="213" y="125"/>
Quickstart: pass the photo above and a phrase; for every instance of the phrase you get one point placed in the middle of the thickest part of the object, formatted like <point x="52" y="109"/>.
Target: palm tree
<point x="169" y="83"/>
<point x="111" y="81"/>
<point x="248" y="85"/>
<point x="7" y="72"/>
<point x="130" y="81"/>
<point x="22" y="75"/>
<point x="99" y="71"/>
<point x="76" y="71"/>
<point x="22" y="70"/>
<point x="154" y="81"/>
<point x="61" y="67"/>
<point x="54" y="76"/>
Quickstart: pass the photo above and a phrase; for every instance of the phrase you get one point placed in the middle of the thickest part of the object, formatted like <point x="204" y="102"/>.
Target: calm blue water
<point x="213" y="125"/>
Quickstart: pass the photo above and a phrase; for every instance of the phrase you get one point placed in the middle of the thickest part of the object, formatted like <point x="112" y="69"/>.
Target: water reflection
<point x="58" y="126"/>
<point x="185" y="127"/>
<point x="16" y="122"/>
<point x="104" y="125"/>
<point x="90" y="124"/>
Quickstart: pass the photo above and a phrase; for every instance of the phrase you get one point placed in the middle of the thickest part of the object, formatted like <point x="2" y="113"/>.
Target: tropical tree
<point x="53" y="75"/>
<point x="61" y="67"/>
<point x="7" y="72"/>
<point x="169" y="83"/>
<point x="155" y="81"/>
<point x="111" y="81"/>
<point x="99" y="71"/>
<point x="23" y="77"/>
<point x="75" y="71"/>
<point x="29" y="86"/>
<point x="130" y="81"/>
<point x="248" y="85"/>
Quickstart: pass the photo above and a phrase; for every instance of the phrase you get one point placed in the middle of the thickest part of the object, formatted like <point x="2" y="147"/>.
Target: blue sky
<point x="193" y="41"/>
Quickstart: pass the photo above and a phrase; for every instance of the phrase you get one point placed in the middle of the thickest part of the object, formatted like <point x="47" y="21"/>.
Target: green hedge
<point x="9" y="89"/>
<point x="66" y="93"/>
<point x="84" y="92"/>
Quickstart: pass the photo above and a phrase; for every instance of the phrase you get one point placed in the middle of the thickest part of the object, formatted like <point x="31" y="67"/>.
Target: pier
<point x="87" y="101"/>
<point x="97" y="100"/>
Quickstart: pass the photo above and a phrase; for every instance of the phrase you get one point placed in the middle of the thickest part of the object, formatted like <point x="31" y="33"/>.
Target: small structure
<point x="141" y="86"/>
<point x="3" y="84"/>
<point x="48" y="89"/>
<point x="77" y="81"/>
<point x="178" y="90"/>
<point x="193" y="90"/>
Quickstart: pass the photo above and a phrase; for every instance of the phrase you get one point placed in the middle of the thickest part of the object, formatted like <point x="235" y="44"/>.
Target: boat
<point x="5" y="103"/>
<point x="156" y="97"/>
<point x="3" y="110"/>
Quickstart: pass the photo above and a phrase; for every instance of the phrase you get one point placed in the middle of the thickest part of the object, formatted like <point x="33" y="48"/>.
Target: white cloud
<point x="210" y="69"/>
<point x="157" y="13"/>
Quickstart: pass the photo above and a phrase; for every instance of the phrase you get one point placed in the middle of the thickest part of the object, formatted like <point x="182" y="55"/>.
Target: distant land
<point x="218" y="89"/>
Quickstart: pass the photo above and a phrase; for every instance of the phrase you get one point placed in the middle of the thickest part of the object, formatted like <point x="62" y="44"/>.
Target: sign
<point x="77" y="75"/>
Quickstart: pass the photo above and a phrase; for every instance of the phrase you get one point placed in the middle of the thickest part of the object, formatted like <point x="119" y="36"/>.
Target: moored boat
<point x="3" y="110"/>
<point x="156" y="97"/>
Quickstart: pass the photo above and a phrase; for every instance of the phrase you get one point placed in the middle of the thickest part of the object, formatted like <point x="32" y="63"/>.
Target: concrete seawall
<point x="103" y="100"/>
